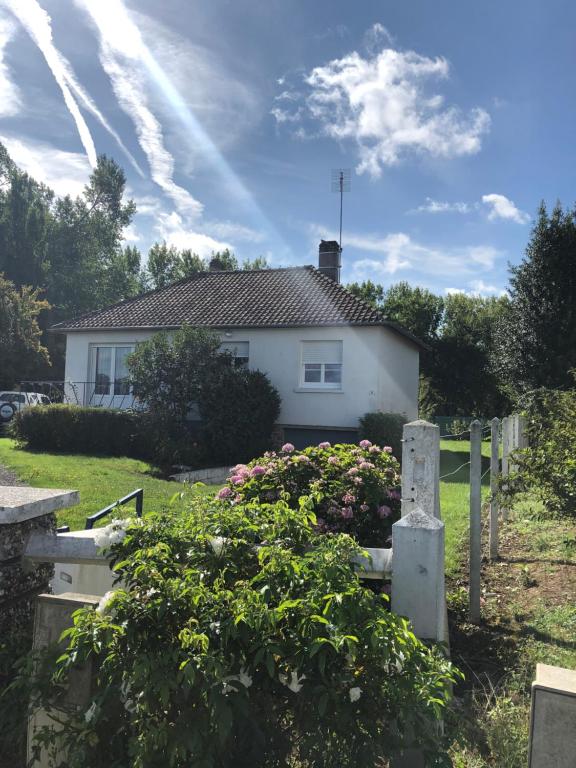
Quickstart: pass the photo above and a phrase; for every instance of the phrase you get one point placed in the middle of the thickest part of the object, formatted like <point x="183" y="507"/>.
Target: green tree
<point x="168" y="370"/>
<point x="417" y="309"/>
<point x="21" y="350"/>
<point x="260" y="262"/>
<point x="163" y="265"/>
<point x="370" y="292"/>
<point x="537" y="338"/>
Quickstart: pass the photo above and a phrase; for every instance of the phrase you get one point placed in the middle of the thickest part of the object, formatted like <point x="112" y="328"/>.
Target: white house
<point x="331" y="356"/>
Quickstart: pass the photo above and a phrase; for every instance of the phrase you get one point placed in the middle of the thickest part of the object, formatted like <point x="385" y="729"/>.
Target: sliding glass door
<point x="109" y="384"/>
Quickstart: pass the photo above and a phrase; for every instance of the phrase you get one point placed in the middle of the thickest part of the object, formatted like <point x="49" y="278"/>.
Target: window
<point x="12" y="397"/>
<point x="321" y="364"/>
<point x="110" y="369"/>
<point x="239" y="350"/>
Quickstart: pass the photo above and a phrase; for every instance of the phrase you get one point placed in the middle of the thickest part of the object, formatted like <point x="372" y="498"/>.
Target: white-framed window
<point x="321" y="366"/>
<point x="109" y="370"/>
<point x="240" y="351"/>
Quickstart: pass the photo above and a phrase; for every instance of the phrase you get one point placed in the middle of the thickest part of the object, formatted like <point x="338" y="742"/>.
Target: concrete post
<point x="522" y="436"/>
<point x="421" y="468"/>
<point x="494" y="472"/>
<point x="418" y="590"/>
<point x="553" y="714"/>
<point x="475" y="519"/>
<point x="505" y="445"/>
<point x="53" y="615"/>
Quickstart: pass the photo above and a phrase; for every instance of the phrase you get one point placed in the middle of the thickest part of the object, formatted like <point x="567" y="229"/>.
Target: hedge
<point x="74" y="429"/>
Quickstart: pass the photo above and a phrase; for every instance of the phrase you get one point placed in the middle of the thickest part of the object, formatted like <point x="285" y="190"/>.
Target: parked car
<point x="11" y="402"/>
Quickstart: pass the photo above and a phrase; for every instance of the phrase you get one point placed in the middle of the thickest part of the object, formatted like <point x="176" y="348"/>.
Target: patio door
<point x="109" y="385"/>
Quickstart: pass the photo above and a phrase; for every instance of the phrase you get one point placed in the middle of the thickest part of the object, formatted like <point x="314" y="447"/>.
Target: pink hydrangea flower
<point x="236" y="479"/>
<point x="384" y="512"/>
<point x="333" y="460"/>
<point x="364" y="507"/>
<point x="365" y="444"/>
<point x="394" y="495"/>
<point x="238" y="468"/>
<point x="353" y="471"/>
<point x="302" y="459"/>
<point x="287" y="447"/>
<point x="357" y="480"/>
<point x="366" y="465"/>
<point x="224" y="493"/>
<point x="374" y="449"/>
<point x="348" y="498"/>
<point x="387" y="449"/>
<point x="324" y="445"/>
<point x="347" y="513"/>
<point x="257" y="470"/>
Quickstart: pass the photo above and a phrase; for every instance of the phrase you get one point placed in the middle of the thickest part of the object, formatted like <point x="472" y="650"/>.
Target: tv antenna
<point x="341" y="184"/>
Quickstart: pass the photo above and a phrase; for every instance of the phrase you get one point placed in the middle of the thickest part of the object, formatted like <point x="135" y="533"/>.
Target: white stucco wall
<point x="379" y="372"/>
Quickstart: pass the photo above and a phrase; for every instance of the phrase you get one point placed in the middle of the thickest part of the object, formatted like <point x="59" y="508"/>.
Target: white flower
<point x="112" y="533"/>
<point x="105" y="601"/>
<point x="295" y="682"/>
<point x="355" y="694"/>
<point x="244" y="678"/>
<point x="89" y="714"/>
<point x="217" y="543"/>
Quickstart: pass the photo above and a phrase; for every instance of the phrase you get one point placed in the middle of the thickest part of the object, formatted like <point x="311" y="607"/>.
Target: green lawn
<point x="455" y="496"/>
<point x="104" y="480"/>
<point x="100" y="481"/>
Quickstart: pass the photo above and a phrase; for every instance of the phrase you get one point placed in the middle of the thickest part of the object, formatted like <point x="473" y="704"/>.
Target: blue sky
<point x="228" y="116"/>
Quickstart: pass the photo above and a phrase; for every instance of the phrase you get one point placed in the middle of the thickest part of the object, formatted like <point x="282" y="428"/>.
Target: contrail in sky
<point x="37" y="23"/>
<point x="121" y="53"/>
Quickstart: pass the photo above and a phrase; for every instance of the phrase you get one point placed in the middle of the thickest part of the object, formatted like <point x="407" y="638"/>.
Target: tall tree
<point x="21" y="350"/>
<point x="370" y="292"/>
<point x="537" y="340"/>
<point x="417" y="309"/>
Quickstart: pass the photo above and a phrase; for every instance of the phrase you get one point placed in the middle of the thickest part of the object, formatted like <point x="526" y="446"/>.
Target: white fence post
<point x="505" y="455"/>
<point x="494" y="471"/>
<point x="418" y="590"/>
<point x="421" y="468"/>
<point x="475" y="519"/>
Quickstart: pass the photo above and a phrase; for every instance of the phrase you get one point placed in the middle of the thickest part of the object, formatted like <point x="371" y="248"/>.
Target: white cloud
<point x="438" y="206"/>
<point x="399" y="254"/>
<point x="64" y="172"/>
<point x="123" y="54"/>
<point x="10" y="101"/>
<point x="380" y="102"/>
<point x="172" y="228"/>
<point x="501" y="207"/>
<point x="477" y="288"/>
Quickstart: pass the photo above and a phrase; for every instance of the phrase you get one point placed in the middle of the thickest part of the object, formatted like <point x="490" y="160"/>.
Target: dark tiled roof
<point x="267" y="298"/>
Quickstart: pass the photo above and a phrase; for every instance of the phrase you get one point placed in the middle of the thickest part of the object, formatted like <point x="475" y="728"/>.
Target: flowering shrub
<point x="351" y="488"/>
<point x="243" y="638"/>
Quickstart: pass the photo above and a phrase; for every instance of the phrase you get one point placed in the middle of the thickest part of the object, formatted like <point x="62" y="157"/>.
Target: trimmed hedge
<point x="74" y="429"/>
<point x="384" y="429"/>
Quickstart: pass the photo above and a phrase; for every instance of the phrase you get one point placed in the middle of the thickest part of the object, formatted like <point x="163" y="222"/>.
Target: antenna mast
<point x="341" y="184"/>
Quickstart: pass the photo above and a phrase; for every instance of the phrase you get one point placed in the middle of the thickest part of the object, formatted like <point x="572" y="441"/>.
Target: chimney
<point x="215" y="265"/>
<point x="329" y="259"/>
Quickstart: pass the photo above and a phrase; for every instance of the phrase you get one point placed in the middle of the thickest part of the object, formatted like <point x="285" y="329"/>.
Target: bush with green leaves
<point x="548" y="466"/>
<point x="238" y="410"/>
<point x="353" y="489"/>
<point x="242" y="637"/>
<point x="75" y="429"/>
<point x="384" y="429"/>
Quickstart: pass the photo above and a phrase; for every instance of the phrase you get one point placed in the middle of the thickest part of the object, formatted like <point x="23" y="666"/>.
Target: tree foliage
<point x="537" y="341"/>
<point x="242" y="638"/>
<point x="21" y="349"/>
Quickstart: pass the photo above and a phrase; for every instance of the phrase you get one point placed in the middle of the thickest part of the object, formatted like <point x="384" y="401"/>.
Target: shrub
<point x="352" y="489"/>
<point x="241" y="638"/>
<point x="238" y="409"/>
<point x="548" y="466"/>
<point x="384" y="429"/>
<point x="74" y="429"/>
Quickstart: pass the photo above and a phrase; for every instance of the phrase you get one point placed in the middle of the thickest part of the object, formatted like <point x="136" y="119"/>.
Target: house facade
<point x="331" y="356"/>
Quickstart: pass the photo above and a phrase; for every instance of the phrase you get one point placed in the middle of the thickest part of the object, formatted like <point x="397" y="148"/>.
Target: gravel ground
<point x="8" y="478"/>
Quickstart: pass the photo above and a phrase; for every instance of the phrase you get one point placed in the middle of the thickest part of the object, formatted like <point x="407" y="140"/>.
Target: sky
<point x="229" y="117"/>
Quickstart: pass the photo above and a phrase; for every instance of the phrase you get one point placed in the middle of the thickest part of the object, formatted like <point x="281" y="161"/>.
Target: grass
<point x="100" y="480"/>
<point x="528" y="617"/>
<point x="455" y="496"/>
